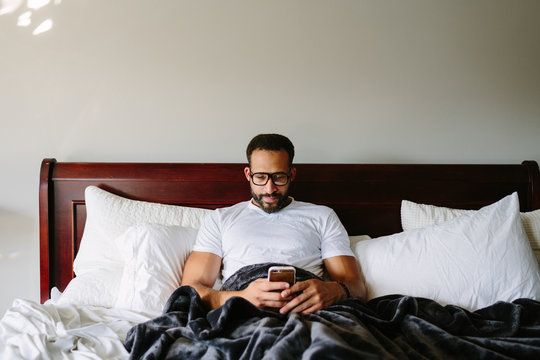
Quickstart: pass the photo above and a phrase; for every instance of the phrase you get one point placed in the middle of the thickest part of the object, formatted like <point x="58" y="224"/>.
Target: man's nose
<point x="270" y="187"/>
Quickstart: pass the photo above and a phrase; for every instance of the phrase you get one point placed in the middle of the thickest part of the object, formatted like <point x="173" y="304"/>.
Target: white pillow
<point x="109" y="215"/>
<point x="471" y="261"/>
<point x="97" y="287"/>
<point x="99" y="264"/>
<point x="414" y="216"/>
<point x="154" y="258"/>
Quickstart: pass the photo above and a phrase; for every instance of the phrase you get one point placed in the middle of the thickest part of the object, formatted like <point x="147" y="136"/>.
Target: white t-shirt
<point x="301" y="234"/>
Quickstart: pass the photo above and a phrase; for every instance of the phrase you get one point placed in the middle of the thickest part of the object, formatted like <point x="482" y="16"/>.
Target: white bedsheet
<point x="29" y="330"/>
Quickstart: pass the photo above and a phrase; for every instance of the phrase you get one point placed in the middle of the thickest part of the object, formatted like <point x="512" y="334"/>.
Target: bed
<point x="479" y="303"/>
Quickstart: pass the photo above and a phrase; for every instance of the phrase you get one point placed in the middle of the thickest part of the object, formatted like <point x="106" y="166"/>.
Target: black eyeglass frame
<point x="268" y="177"/>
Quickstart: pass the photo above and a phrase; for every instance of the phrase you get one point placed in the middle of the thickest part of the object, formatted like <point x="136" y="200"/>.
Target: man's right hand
<point x="264" y="293"/>
<point x="201" y="270"/>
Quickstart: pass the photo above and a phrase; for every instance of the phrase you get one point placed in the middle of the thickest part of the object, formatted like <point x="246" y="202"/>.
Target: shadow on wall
<point x="16" y="235"/>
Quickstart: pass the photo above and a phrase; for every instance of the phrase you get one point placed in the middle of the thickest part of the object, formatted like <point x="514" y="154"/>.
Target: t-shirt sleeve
<point x="334" y="238"/>
<point x="209" y="235"/>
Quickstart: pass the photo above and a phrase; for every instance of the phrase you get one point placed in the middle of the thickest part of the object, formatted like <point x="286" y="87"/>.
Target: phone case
<point x="282" y="273"/>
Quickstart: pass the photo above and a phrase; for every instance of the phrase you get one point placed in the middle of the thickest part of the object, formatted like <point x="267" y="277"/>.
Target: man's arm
<point x="345" y="269"/>
<point x="316" y="294"/>
<point x="201" y="271"/>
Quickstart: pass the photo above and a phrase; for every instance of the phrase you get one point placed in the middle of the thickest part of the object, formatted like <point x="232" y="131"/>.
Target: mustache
<point x="274" y="194"/>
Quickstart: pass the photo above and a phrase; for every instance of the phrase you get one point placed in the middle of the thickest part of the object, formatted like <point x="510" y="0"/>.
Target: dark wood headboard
<point x="366" y="197"/>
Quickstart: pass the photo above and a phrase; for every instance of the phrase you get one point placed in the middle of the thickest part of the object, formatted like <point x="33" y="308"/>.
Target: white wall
<point x="347" y="81"/>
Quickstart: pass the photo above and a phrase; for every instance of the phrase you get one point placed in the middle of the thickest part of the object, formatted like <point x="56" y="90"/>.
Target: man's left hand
<point x="311" y="295"/>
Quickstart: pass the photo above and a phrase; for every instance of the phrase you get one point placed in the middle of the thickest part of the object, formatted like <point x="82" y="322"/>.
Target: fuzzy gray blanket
<point x="390" y="327"/>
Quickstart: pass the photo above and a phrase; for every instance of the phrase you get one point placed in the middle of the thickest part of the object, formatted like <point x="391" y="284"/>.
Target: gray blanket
<point x="389" y="327"/>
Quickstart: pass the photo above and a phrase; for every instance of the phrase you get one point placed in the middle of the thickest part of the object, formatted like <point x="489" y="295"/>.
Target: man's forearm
<point x="346" y="269"/>
<point x="213" y="298"/>
<point x="353" y="289"/>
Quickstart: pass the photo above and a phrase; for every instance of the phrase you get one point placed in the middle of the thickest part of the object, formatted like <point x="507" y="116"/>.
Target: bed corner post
<point x="534" y="184"/>
<point x="46" y="224"/>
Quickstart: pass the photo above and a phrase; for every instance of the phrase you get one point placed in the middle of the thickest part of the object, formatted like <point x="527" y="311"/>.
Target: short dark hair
<point x="274" y="142"/>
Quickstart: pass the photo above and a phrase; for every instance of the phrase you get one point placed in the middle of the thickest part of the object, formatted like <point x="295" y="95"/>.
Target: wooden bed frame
<point x="366" y="197"/>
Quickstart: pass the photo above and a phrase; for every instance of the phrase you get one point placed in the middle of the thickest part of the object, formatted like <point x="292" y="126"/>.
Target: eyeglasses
<point x="261" y="178"/>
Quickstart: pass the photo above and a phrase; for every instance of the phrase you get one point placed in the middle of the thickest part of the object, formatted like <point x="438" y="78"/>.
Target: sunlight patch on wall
<point x="9" y="6"/>
<point x="24" y="19"/>
<point x="37" y="4"/>
<point x="43" y="27"/>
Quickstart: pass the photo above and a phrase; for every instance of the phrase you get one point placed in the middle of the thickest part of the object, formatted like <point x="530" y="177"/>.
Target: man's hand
<point x="264" y="293"/>
<point x="312" y="295"/>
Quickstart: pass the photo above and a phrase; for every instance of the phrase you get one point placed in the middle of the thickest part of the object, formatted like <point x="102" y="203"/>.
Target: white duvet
<point x="29" y="330"/>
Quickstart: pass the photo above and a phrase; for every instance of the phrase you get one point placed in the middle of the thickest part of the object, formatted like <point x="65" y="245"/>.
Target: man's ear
<point x="293" y="173"/>
<point x="247" y="172"/>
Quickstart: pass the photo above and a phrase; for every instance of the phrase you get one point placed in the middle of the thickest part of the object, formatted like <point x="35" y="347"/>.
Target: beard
<point x="282" y="201"/>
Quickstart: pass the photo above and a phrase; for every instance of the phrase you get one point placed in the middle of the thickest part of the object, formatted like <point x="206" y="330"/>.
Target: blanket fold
<point x="389" y="327"/>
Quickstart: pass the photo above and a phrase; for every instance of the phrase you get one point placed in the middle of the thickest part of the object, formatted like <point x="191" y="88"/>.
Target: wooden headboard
<point x="366" y="197"/>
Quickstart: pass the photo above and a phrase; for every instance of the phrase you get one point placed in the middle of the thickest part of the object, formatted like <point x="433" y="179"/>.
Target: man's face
<point x="270" y="197"/>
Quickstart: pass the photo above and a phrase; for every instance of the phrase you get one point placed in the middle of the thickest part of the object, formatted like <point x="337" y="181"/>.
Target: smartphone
<point x="282" y="273"/>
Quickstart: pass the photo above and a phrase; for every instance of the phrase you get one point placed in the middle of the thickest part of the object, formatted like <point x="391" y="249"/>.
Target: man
<point x="273" y="227"/>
